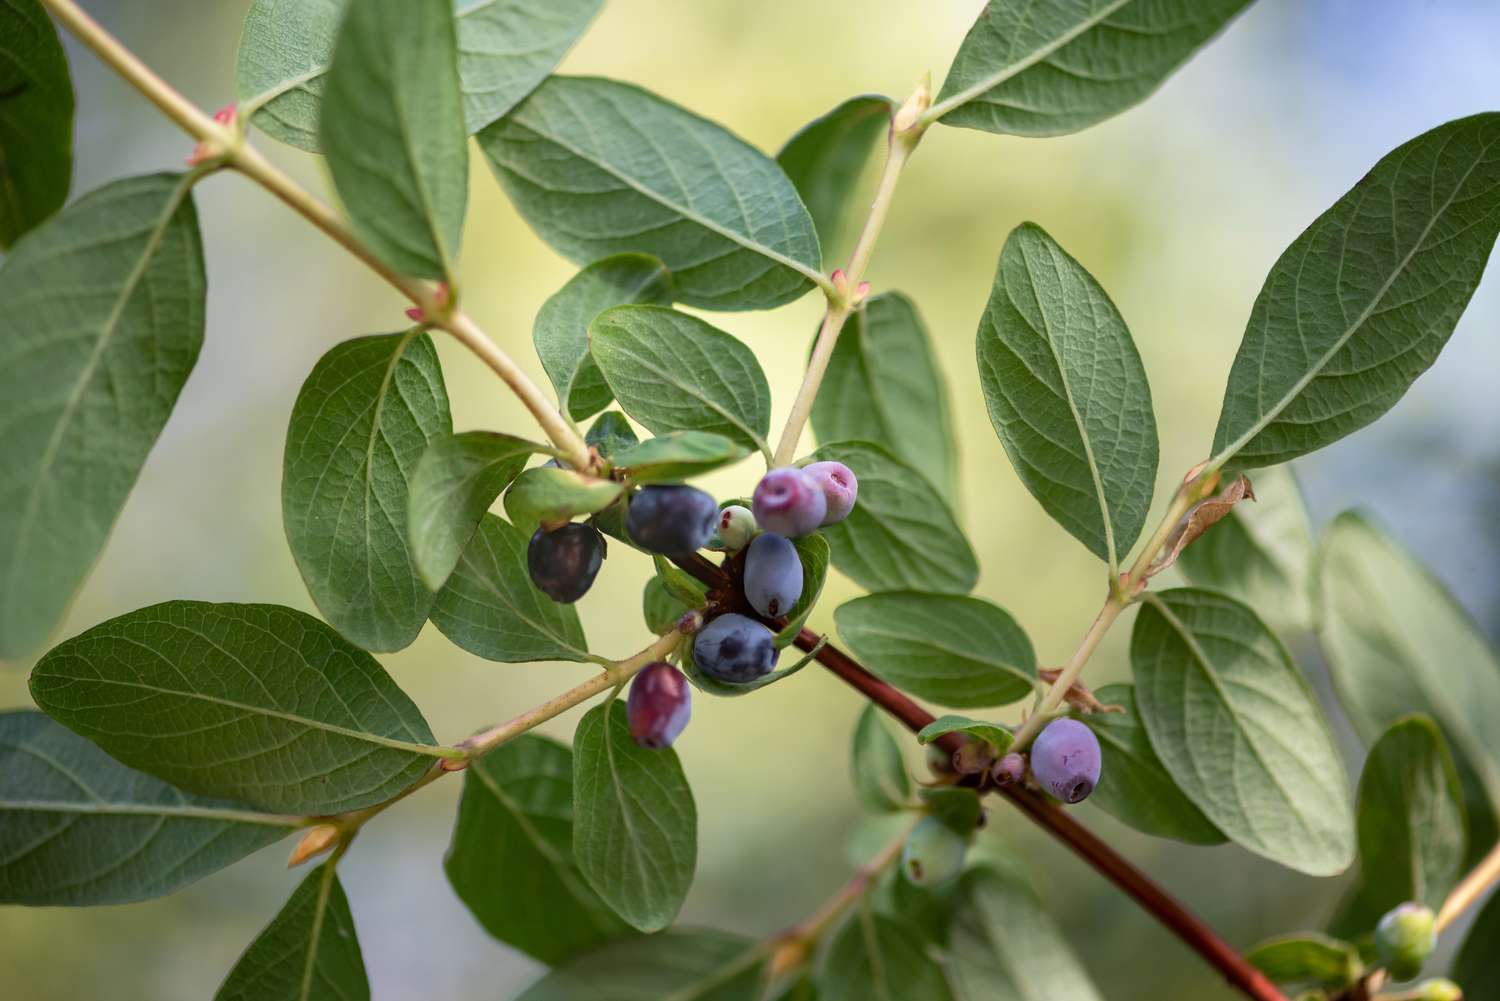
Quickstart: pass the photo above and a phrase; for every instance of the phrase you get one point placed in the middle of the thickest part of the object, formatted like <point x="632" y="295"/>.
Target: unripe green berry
<point x="1439" y="990"/>
<point x="735" y="529"/>
<point x="1404" y="939"/>
<point x="933" y="853"/>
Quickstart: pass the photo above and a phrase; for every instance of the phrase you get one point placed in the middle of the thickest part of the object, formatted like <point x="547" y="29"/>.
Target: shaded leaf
<point x="826" y="157"/>
<point x="102" y="324"/>
<point x="880" y="780"/>
<point x="1033" y="69"/>
<point x="1307" y="959"/>
<point x="956" y="651"/>
<point x="282" y="65"/>
<point x="507" y="47"/>
<point x="1397" y="642"/>
<point x="455" y="481"/>
<point x="1239" y="730"/>
<point x="660" y="607"/>
<point x="36" y="120"/>
<point x="561" y="331"/>
<point x="392" y="128"/>
<point x="511" y="859"/>
<point x="611" y="433"/>
<point x="599" y="167"/>
<point x="883" y="385"/>
<point x="490" y="608"/>
<point x="956" y="806"/>
<point x="253" y="702"/>
<point x="1067" y="394"/>
<point x="674" y="372"/>
<point x="363" y="419"/>
<point x="814" y="553"/>
<point x="78" y="827"/>
<point x="1261" y="554"/>
<point x="309" y="951"/>
<point x="1138" y="790"/>
<point x="635" y="829"/>
<point x="996" y="736"/>
<point x="901" y="534"/>
<point x="676" y="456"/>
<point x="874" y="957"/>
<point x="1004" y="947"/>
<point x="1475" y="968"/>
<point x="680" y="965"/>
<point x="1362" y="302"/>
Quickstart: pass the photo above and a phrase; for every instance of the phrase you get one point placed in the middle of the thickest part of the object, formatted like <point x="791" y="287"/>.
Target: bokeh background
<point x="1178" y="207"/>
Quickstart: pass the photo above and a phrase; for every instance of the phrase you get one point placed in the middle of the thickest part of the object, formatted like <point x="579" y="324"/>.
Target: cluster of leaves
<point x="181" y="737"/>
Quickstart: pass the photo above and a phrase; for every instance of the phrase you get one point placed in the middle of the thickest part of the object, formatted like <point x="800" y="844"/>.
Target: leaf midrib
<point x="107" y="809"/>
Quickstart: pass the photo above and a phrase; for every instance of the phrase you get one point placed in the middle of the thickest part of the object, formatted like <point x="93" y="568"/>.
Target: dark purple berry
<point x="735" y="649"/>
<point x="839" y="485"/>
<point x="659" y="705"/>
<point x="1065" y="760"/>
<point x="565" y="561"/>
<point x="788" y="502"/>
<point x="671" y="519"/>
<point x="773" y="575"/>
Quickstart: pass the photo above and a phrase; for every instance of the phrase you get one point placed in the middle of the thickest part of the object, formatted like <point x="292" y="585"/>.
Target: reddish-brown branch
<point x="1055" y="821"/>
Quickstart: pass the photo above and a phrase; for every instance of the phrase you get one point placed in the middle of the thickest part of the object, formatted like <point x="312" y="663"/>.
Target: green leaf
<point x="883" y="385"/>
<point x="1261" y="553"/>
<point x="548" y="495"/>
<point x="878" y="958"/>
<point x="455" y="481"/>
<point x="1307" y="959"/>
<point x="511" y="859"/>
<point x="36" y="120"/>
<point x="1475" y="967"/>
<point x="880" y="780"/>
<point x="77" y="827"/>
<point x="1068" y="395"/>
<point x="392" y="128"/>
<point x="1362" y="302"/>
<point x="956" y="651"/>
<point x="956" y="806"/>
<point x="1398" y="643"/>
<point x="1240" y="731"/>
<point x="660" y="607"/>
<point x="561" y="331"/>
<point x="309" y="951"/>
<point x="505" y="48"/>
<point x="814" y="553"/>
<point x="993" y="734"/>
<point x="678" y="582"/>
<point x="364" y="417"/>
<point x="102" y="322"/>
<point x="1004" y="947"/>
<point x="599" y="167"/>
<point x="1139" y="791"/>
<point x="490" y="608"/>
<point x="901" y="534"/>
<point x="677" y="456"/>
<point x="635" y="829"/>
<point x="257" y="703"/>
<point x="827" y="156"/>
<point x="611" y="433"/>
<point x="1032" y="69"/>
<point x="675" y="965"/>
<point x="1410" y="819"/>
<point x="674" y="372"/>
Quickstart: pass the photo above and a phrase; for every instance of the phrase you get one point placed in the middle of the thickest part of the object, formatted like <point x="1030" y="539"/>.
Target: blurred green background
<point x="1178" y="207"/>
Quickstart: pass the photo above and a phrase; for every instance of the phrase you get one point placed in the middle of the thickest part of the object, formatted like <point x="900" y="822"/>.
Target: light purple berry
<point x="788" y="502"/>
<point x="1009" y="770"/>
<point x="1065" y="760"/>
<point x="659" y="705"/>
<point x="773" y="575"/>
<point x="839" y="485"/>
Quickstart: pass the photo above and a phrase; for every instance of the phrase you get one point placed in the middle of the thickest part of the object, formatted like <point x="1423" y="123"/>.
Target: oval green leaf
<point x="102" y="324"/>
<point x="880" y="780"/>
<point x="490" y="608"/>
<point x="1362" y="302"/>
<point x="874" y="957"/>
<point x="883" y="385"/>
<point x="680" y="965"/>
<point x="611" y="433"/>
<point x="550" y="495"/>
<point x="1307" y="960"/>
<point x="1067" y="394"/>
<point x="993" y="734"/>
<point x="1031" y="69"/>
<point x="1240" y="731"/>
<point x="635" y="829"/>
<point x="364" y="417"/>
<point x="677" y="456"/>
<point x="79" y="828"/>
<point x="392" y="129"/>
<point x="599" y="167"/>
<point x="315" y="724"/>
<point x="36" y="120"/>
<point x="675" y="372"/>
<point x="511" y="859"/>
<point x="661" y="608"/>
<point x="901" y="534"/>
<point x="826" y="159"/>
<point x="955" y="650"/>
